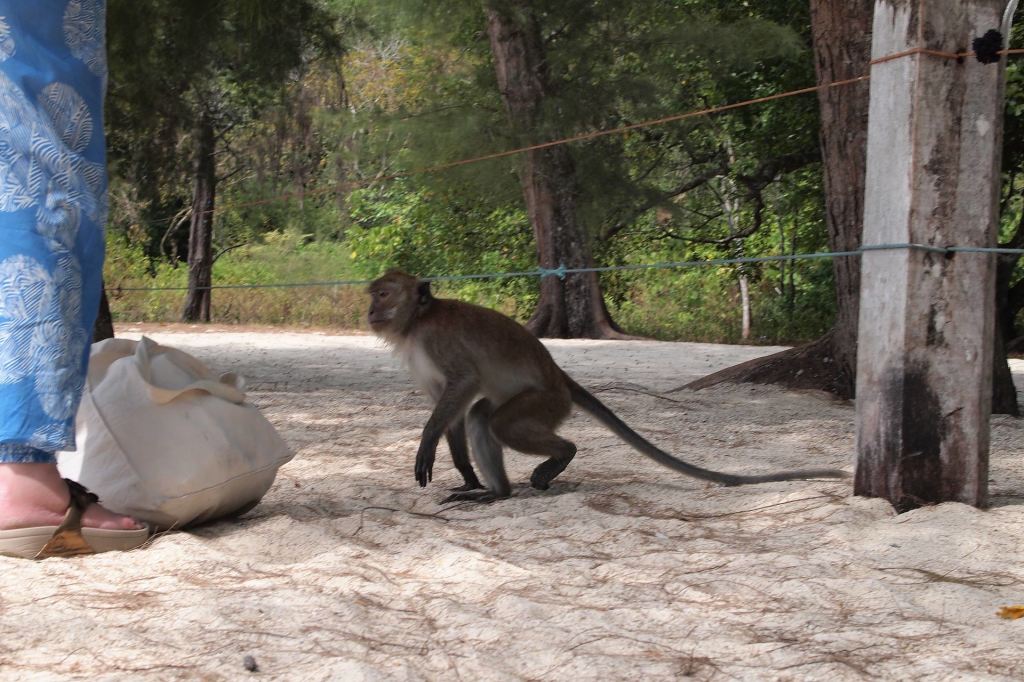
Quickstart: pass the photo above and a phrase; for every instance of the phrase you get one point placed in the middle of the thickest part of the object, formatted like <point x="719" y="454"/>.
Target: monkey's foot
<point x="549" y="470"/>
<point x="481" y="496"/>
<point x="465" y="487"/>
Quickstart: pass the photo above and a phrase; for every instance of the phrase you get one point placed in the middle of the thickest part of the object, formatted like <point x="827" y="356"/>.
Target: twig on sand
<point x="436" y="516"/>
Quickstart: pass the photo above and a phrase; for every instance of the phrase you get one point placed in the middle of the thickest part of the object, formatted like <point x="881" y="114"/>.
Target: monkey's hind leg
<point x="527" y="423"/>
<point x="456" y="437"/>
<point x="489" y="458"/>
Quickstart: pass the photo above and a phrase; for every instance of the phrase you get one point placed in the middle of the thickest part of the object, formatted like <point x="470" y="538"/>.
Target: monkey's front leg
<point x="451" y="404"/>
<point x="425" y="460"/>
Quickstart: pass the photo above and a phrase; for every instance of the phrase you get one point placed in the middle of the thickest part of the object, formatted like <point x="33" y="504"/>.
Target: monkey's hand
<point x="424" y="465"/>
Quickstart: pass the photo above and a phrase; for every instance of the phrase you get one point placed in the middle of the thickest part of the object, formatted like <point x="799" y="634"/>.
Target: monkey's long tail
<point x="603" y="414"/>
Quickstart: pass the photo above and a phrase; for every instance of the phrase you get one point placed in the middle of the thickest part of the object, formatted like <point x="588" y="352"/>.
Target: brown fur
<point x="491" y="378"/>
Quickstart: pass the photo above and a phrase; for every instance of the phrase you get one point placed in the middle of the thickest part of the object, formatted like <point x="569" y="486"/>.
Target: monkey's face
<point x="393" y="300"/>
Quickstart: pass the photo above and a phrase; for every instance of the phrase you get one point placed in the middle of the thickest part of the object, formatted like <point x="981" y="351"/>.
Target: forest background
<point x="289" y="136"/>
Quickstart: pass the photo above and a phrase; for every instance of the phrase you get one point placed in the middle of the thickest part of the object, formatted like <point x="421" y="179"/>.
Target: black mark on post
<point x="920" y="463"/>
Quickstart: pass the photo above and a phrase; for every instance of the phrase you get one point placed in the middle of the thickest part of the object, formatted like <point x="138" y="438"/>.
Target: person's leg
<point x="52" y="213"/>
<point x="34" y="495"/>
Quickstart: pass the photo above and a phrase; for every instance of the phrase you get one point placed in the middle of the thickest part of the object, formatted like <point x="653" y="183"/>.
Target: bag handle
<point x="227" y="387"/>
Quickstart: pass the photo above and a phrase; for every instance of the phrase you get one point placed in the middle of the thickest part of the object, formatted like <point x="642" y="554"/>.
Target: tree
<point x="1009" y="335"/>
<point x="842" y="47"/>
<point x="559" y="68"/>
<point x="200" y="237"/>
<point x="184" y="74"/>
<point x="571" y="306"/>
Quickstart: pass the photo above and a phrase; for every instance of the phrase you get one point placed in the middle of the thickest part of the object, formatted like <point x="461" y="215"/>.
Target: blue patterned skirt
<point x="52" y="214"/>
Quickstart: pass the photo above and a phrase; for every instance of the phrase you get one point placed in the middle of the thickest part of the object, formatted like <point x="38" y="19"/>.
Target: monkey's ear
<point x="423" y="291"/>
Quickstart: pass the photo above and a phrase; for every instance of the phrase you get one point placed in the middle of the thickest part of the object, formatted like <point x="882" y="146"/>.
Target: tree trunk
<point x="842" y="49"/>
<point x="104" y="327"/>
<point x="200" y="238"/>
<point x="1004" y="393"/>
<point x="791" y="282"/>
<point x="569" y="307"/>
<point x="745" y="305"/>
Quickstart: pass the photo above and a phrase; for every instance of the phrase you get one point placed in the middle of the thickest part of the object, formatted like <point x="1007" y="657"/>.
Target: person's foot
<point x="34" y="495"/>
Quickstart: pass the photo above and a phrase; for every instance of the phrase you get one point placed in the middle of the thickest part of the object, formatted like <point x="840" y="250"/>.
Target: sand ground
<point x="623" y="570"/>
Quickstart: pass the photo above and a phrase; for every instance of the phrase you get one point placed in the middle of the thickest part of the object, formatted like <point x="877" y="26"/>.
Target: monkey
<point x="495" y="382"/>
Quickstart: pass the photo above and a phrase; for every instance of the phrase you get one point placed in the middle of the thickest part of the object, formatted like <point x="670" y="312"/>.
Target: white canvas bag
<point x="164" y="440"/>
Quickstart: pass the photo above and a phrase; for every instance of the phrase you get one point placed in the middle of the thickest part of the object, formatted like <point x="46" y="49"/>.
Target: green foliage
<point x="313" y="137"/>
<point x="790" y="301"/>
<point x="706" y="306"/>
<point x="279" y="257"/>
<point x="174" y="63"/>
<point x="429" y="233"/>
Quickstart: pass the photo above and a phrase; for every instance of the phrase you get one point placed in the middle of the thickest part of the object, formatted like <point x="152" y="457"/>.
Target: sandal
<point x="69" y="538"/>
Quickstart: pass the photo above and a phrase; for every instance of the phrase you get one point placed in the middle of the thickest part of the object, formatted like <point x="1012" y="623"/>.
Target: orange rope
<point x="352" y="184"/>
<point x="938" y="53"/>
<point x="552" y="143"/>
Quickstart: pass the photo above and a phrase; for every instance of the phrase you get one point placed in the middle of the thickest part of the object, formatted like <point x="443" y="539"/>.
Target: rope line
<point x="591" y="135"/>
<point x="358" y="184"/>
<point x="940" y="54"/>
<point x="709" y="111"/>
<point x="561" y="271"/>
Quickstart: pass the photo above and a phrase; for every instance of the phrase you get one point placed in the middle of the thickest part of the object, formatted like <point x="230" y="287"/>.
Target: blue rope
<point x="561" y="271"/>
<point x="492" y="275"/>
<point x="282" y="285"/>
<point x="558" y="272"/>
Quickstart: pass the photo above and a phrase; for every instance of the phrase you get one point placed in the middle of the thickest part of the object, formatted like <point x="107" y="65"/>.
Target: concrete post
<point x="924" y="383"/>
